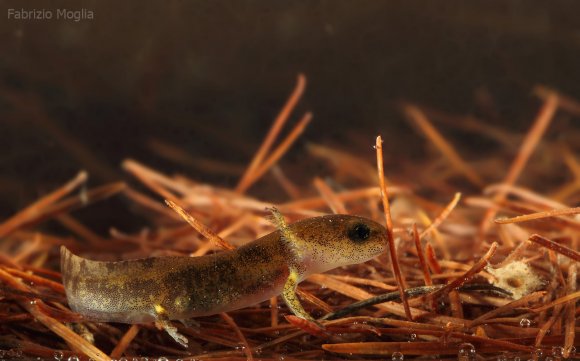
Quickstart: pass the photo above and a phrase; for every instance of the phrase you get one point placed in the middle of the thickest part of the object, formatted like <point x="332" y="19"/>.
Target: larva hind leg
<point x="162" y="322"/>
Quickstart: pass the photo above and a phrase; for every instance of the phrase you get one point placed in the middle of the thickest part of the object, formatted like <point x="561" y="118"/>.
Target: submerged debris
<point x="516" y="277"/>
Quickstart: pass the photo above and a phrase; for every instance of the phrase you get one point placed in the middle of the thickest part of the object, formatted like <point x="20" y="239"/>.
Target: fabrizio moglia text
<point x="47" y="14"/>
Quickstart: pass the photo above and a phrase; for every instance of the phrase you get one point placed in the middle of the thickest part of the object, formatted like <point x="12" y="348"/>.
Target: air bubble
<point x="549" y="358"/>
<point x="163" y="359"/>
<point x="502" y="358"/>
<point x="14" y="353"/>
<point x="33" y="302"/>
<point x="466" y="352"/>
<point x="413" y="336"/>
<point x="537" y="354"/>
<point x="558" y="351"/>
<point x="397" y="356"/>
<point x="524" y="322"/>
<point x="73" y="358"/>
<point x="123" y="359"/>
<point x="58" y="355"/>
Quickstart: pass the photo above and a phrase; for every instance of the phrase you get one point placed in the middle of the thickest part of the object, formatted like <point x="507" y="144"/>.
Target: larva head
<point x="332" y="241"/>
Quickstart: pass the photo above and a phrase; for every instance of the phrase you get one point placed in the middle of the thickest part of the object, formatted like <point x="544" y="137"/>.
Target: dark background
<point x="210" y="76"/>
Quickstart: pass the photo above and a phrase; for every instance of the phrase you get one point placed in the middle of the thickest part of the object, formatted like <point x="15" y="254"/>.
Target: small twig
<point x="556" y="247"/>
<point x="200" y="227"/>
<point x="475" y="269"/>
<point x="432" y="259"/>
<point x="421" y="254"/>
<point x="310" y="298"/>
<point x="365" y="281"/>
<point x="273" y="133"/>
<point x="74" y="202"/>
<point x="344" y="196"/>
<point x="390" y="239"/>
<point x="274" y="311"/>
<point x="423" y="348"/>
<point x="37" y="280"/>
<point x="443" y="215"/>
<point x="54" y="325"/>
<point x="290" y="188"/>
<point x="566" y="102"/>
<point x="559" y="301"/>
<point x="539" y="215"/>
<point x="385" y="297"/>
<point x="147" y="180"/>
<point x="36" y="208"/>
<point x="125" y="341"/>
<point x="570" y="310"/>
<point x="334" y="203"/>
<point x="416" y="115"/>
<point x="243" y="340"/>
<point x="522" y="302"/>
<point x="277" y="153"/>
<point x="526" y="149"/>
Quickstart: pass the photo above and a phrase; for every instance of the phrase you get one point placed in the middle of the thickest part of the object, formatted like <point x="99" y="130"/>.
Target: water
<point x="466" y="352"/>
<point x="397" y="356"/>
<point x="524" y="322"/>
<point x="558" y="351"/>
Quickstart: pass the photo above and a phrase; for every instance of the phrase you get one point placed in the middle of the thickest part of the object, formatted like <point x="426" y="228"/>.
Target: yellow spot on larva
<point x="159" y="309"/>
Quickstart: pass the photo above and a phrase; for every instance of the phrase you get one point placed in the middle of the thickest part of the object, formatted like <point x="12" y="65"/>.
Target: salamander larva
<point x="161" y="289"/>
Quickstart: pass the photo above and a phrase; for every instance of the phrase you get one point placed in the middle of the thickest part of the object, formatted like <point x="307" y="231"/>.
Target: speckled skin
<point x="179" y="288"/>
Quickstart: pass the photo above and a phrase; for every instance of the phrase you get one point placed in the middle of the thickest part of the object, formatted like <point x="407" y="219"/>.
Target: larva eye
<point x="359" y="232"/>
